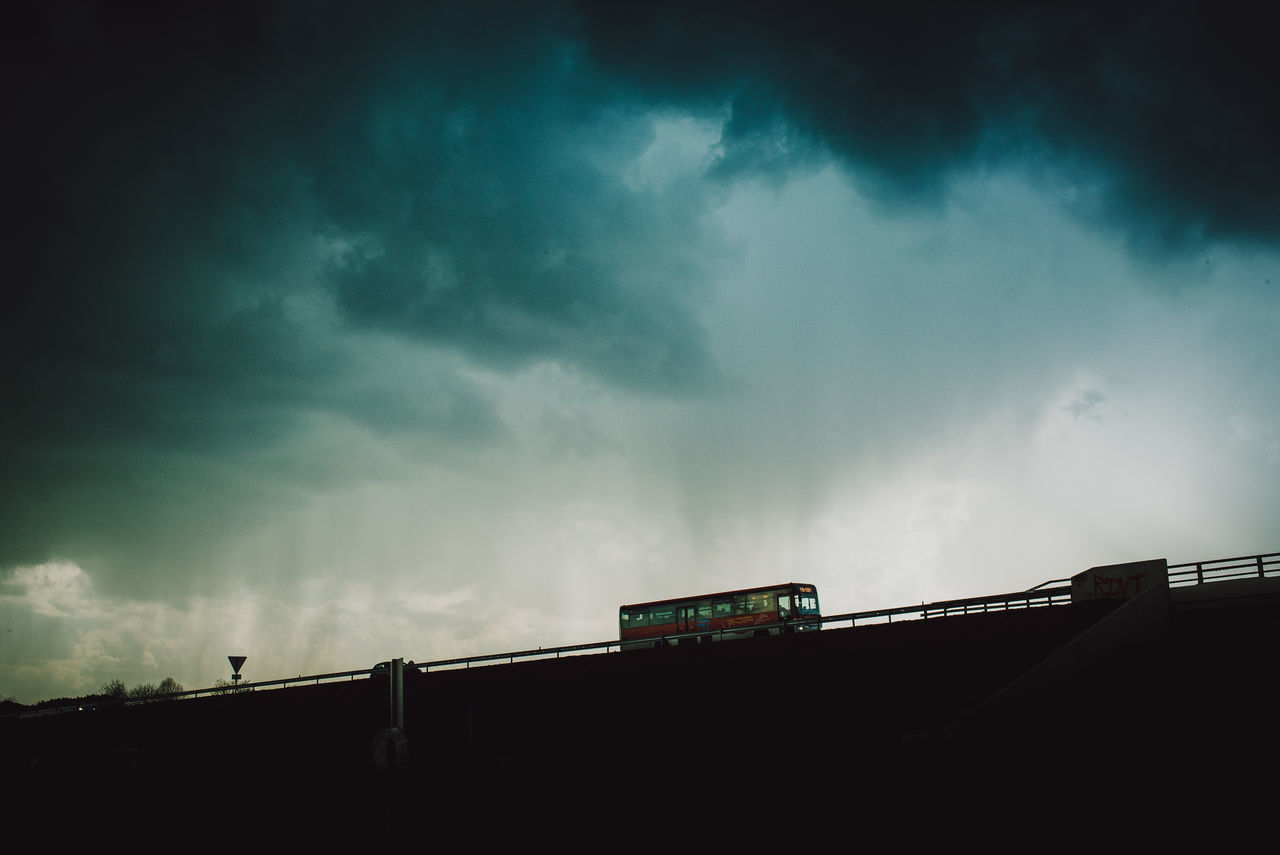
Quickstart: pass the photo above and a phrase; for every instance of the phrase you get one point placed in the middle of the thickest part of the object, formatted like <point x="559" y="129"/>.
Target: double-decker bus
<point x="770" y="610"/>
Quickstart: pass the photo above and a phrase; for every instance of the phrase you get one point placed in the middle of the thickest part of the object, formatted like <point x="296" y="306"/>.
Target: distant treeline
<point x="113" y="691"/>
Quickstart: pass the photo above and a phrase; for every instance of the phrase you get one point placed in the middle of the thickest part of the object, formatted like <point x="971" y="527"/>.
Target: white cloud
<point x="54" y="589"/>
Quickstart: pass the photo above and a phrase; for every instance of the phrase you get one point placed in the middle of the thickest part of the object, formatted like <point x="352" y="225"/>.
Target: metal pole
<point x="397" y="693"/>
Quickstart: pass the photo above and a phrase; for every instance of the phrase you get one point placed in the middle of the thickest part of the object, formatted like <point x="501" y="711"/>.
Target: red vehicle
<point x="770" y="610"/>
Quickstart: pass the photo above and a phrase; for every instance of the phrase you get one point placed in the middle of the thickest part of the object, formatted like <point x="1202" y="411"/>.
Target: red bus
<point x="770" y="610"/>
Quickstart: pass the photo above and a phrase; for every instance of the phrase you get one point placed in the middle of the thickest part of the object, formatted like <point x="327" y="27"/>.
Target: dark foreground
<point x="849" y="726"/>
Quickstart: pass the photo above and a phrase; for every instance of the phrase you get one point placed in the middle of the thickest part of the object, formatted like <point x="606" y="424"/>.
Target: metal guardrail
<point x="421" y="667"/>
<point x="1051" y="593"/>
<point x="1224" y="569"/>
<point x="1031" y="598"/>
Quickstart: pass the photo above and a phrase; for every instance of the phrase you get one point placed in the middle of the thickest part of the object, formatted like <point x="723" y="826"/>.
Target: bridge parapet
<point x="1120" y="581"/>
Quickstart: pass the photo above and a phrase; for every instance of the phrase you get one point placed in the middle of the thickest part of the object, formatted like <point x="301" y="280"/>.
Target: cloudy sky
<point x="335" y="332"/>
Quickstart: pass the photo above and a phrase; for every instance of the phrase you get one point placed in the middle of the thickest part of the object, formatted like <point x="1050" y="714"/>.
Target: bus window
<point x="784" y="607"/>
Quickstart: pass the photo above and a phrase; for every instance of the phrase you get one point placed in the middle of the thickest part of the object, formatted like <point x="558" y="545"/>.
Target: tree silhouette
<point x="116" y="690"/>
<point x="168" y="686"/>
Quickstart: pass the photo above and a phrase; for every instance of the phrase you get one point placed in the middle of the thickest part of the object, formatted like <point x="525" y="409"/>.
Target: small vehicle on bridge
<point x="770" y="610"/>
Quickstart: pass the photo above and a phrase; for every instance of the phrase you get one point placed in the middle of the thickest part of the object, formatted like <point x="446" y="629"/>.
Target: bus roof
<point x="758" y="590"/>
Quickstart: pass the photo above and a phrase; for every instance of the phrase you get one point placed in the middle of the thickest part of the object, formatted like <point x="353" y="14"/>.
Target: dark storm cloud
<point x="466" y="174"/>
<point x="1172" y="103"/>
<point x="211" y="206"/>
<point x="209" y="203"/>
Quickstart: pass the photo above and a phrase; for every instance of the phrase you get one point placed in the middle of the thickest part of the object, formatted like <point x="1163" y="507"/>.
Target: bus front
<point x="799" y="607"/>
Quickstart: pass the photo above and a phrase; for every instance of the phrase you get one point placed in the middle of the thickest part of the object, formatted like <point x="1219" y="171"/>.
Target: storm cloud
<point x="215" y="201"/>
<point x="1164" y="114"/>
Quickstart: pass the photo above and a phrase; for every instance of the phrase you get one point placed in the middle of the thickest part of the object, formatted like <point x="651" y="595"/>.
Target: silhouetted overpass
<point x="1156" y="675"/>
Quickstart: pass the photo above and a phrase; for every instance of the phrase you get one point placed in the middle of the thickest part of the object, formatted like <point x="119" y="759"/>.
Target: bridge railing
<point x="1038" y="596"/>
<point x="1225" y="569"/>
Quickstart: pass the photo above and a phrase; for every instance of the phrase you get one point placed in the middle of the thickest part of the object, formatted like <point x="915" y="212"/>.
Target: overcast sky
<point x="336" y="332"/>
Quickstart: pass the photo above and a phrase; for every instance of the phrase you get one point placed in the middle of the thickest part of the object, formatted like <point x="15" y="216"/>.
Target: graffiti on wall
<point x="1119" y="587"/>
<point x="1119" y="581"/>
